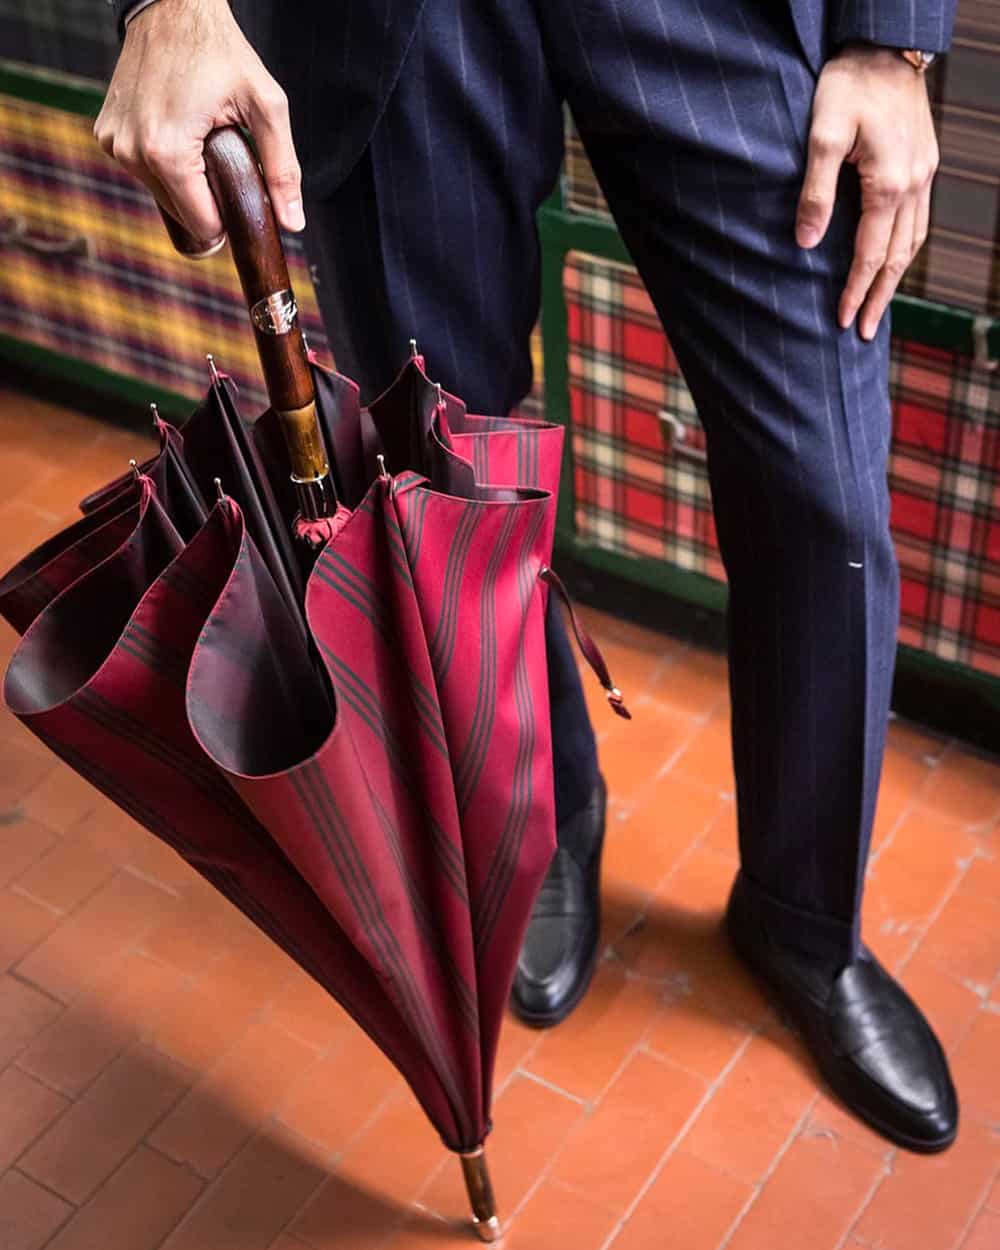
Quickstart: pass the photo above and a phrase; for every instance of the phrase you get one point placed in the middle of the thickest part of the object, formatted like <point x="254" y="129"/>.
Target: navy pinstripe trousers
<point x="695" y="116"/>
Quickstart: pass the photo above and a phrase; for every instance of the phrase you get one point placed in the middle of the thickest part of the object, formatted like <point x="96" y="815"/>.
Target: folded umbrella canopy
<point x="348" y="735"/>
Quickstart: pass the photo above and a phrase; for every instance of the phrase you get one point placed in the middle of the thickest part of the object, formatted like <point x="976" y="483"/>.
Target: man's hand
<point x="871" y="110"/>
<point x="186" y="68"/>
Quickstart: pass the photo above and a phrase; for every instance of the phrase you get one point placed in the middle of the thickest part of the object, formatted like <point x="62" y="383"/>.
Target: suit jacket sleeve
<point x="923" y="24"/>
<point x="122" y="10"/>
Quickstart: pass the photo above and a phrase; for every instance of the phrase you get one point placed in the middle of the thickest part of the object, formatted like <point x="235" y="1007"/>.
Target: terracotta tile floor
<point x="168" y="1079"/>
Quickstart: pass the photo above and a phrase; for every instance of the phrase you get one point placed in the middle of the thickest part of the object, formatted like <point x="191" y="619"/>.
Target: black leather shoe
<point x="560" y="949"/>
<point x="870" y="1040"/>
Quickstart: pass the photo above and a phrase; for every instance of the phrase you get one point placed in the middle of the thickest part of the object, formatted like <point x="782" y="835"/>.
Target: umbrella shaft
<point x="307" y="455"/>
<point x="481" y="1199"/>
<point x="315" y="498"/>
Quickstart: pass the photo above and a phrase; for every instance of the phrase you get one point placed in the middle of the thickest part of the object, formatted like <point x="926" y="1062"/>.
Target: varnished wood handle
<point x="249" y="222"/>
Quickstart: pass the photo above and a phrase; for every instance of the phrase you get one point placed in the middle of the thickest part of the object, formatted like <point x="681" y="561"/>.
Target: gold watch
<point x="921" y="61"/>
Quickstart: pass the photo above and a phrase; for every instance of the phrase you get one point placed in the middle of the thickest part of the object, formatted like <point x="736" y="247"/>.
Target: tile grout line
<point x="258" y="1132"/>
<point x="911" y="804"/>
<point x="590" y="1106"/>
<point x="977" y="1211"/>
<point x="793" y="1136"/>
<point x="711" y="1090"/>
<point x="944" y="901"/>
<point x="558" y="1089"/>
<point x="887" y="1170"/>
<point x="73" y="1208"/>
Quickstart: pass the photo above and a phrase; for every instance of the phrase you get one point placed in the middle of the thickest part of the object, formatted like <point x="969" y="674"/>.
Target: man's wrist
<point x="889" y="56"/>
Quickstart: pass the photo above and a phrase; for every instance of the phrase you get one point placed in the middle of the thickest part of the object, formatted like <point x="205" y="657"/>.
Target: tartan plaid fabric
<point x="632" y="496"/>
<point x="131" y="304"/>
<point x="635" y="495"/>
<point x="945" y="478"/>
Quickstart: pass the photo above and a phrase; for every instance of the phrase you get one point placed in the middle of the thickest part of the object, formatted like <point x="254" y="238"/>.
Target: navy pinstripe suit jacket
<point x="338" y="59"/>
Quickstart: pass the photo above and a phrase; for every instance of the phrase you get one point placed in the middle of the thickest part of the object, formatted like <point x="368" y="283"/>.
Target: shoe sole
<point x="831" y="1071"/>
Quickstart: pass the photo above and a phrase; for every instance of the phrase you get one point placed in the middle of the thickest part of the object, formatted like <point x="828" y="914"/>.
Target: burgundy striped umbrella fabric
<point x="365" y="772"/>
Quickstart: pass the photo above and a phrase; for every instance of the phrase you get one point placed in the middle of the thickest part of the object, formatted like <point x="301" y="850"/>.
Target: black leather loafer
<point x="870" y="1040"/>
<point x="560" y="949"/>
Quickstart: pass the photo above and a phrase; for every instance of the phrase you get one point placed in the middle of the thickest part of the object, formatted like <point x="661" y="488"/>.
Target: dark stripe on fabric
<point x="443" y="642"/>
<point x="473" y="757"/>
<point x="338" y="579"/>
<point x="132" y="803"/>
<point x="425" y="704"/>
<point x="413" y="530"/>
<point x="508" y="848"/>
<point x="324" y="815"/>
<point x="157" y="655"/>
<point x="199" y="772"/>
<point x="361" y="699"/>
<point x="424" y="917"/>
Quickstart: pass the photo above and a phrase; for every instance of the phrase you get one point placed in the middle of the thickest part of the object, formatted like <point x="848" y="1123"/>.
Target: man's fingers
<point x="185" y="196"/>
<point x="827" y="151"/>
<point x="922" y="220"/>
<point x="125" y="151"/>
<point x="871" y="247"/>
<point x="177" y="164"/>
<point x="897" y="260"/>
<point x="272" y="132"/>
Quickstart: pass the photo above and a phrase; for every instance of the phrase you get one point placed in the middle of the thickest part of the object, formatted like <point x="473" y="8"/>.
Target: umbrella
<point x="348" y="734"/>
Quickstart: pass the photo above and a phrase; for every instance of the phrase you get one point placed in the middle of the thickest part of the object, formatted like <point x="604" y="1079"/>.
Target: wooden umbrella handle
<point x="249" y="221"/>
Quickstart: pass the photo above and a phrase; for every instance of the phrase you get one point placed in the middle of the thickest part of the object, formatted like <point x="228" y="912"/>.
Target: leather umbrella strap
<point x="589" y="648"/>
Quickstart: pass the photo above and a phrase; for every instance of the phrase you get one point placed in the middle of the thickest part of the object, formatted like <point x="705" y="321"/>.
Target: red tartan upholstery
<point x="636" y="494"/>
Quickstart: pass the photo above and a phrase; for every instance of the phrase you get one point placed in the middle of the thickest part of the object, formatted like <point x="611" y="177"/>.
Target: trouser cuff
<point x="815" y="936"/>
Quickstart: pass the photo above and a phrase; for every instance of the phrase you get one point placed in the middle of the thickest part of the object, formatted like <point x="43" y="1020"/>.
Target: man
<point x="769" y="165"/>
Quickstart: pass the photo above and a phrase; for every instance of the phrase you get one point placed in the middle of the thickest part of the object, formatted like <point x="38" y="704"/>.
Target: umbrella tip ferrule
<point x="156" y="413"/>
<point x="220" y="494"/>
<point x="490" y="1230"/>
<point x="135" y="470"/>
<point x="213" y="372"/>
<point x="413" y="349"/>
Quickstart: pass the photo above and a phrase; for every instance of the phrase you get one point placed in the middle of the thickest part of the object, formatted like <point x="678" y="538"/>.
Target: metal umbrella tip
<point x="413" y="348"/>
<point x="490" y="1230"/>
<point x="213" y="372"/>
<point x="220" y="494"/>
<point x="135" y="469"/>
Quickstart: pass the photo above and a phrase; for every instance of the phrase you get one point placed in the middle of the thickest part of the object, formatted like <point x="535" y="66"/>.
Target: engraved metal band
<point x="276" y="314"/>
